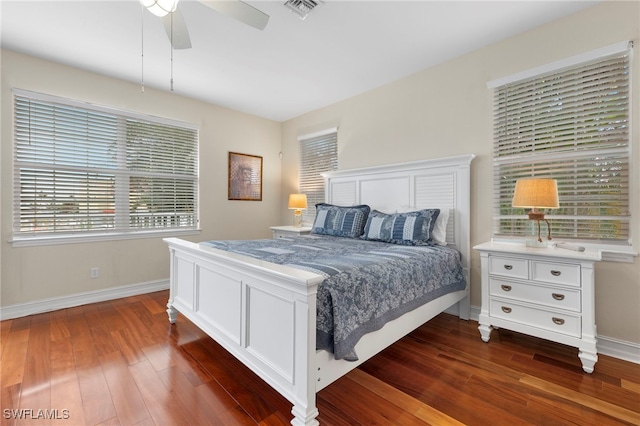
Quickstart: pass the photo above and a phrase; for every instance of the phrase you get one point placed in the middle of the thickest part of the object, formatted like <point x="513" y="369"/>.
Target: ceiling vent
<point x="302" y="8"/>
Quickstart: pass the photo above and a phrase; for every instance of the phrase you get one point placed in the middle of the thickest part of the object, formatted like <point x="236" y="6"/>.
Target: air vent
<point x="302" y="8"/>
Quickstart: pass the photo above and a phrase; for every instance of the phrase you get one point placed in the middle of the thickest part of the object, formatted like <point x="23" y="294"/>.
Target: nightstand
<point x="543" y="292"/>
<point x="289" y="231"/>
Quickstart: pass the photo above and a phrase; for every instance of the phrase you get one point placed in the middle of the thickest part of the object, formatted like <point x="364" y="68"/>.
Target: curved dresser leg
<point x="485" y="332"/>
<point x="588" y="359"/>
<point x="172" y="312"/>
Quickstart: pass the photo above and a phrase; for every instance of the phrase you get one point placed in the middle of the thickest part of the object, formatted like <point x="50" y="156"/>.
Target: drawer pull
<point x="506" y="287"/>
<point x="556" y="273"/>
<point x="506" y="310"/>
<point x="558" y="321"/>
<point x="508" y="267"/>
<point x="558" y="296"/>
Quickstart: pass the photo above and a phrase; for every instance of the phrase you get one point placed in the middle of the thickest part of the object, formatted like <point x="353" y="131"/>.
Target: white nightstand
<point x="289" y="231"/>
<point x="543" y="292"/>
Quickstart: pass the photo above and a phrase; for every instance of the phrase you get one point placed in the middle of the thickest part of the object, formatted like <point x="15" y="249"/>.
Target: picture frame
<point x="245" y="177"/>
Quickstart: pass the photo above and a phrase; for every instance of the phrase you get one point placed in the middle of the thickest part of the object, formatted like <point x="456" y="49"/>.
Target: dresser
<point x="289" y="231"/>
<point x="543" y="292"/>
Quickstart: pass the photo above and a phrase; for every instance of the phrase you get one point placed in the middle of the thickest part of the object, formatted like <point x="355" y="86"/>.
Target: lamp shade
<point x="297" y="201"/>
<point x="536" y="193"/>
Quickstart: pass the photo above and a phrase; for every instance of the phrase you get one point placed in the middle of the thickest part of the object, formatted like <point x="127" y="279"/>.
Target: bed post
<point x="304" y="407"/>
<point x="171" y="311"/>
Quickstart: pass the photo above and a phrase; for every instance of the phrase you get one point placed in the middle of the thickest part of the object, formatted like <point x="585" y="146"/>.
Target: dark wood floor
<point x="121" y="363"/>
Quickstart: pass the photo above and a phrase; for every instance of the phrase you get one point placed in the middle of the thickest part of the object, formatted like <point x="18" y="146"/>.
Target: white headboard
<point x="443" y="183"/>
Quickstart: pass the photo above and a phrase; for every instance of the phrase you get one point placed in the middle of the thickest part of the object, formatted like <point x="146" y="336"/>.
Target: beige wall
<point x="36" y="273"/>
<point x="447" y="110"/>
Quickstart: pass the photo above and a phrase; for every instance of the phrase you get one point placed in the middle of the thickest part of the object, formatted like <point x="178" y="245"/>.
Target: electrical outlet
<point x="95" y="272"/>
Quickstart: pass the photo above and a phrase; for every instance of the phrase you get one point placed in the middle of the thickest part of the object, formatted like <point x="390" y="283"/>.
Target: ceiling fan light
<point x="160" y="7"/>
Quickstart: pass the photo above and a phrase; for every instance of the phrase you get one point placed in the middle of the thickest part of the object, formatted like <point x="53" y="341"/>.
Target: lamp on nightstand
<point x="535" y="194"/>
<point x="297" y="203"/>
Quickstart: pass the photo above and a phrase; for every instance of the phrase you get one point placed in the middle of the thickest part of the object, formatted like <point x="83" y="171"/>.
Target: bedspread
<point x="366" y="284"/>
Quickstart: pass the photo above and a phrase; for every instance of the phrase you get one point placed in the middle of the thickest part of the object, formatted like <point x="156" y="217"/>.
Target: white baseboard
<point x="55" y="303"/>
<point x="621" y="349"/>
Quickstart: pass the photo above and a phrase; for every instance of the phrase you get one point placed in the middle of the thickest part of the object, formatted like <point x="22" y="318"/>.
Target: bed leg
<point x="172" y="312"/>
<point x="303" y="417"/>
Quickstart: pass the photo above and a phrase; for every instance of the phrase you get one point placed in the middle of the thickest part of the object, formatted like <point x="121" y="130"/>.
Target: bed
<point x="264" y="313"/>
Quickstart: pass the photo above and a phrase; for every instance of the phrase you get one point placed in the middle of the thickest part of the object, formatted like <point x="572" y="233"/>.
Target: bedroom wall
<point x="35" y="273"/>
<point x="447" y="110"/>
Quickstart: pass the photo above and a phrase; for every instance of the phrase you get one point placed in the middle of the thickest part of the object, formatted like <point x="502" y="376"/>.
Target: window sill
<point x="609" y="252"/>
<point x="98" y="237"/>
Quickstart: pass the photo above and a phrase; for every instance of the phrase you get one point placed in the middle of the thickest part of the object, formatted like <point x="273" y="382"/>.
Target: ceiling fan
<point x="176" y="27"/>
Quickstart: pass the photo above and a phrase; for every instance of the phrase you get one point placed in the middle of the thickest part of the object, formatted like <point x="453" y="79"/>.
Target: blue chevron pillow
<point x="412" y="228"/>
<point x="340" y="221"/>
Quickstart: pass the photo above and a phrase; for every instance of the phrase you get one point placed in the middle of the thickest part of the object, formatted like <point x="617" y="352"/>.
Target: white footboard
<point x="263" y="314"/>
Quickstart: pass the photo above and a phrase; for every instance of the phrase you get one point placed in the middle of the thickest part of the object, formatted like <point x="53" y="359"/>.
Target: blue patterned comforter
<point x="367" y="283"/>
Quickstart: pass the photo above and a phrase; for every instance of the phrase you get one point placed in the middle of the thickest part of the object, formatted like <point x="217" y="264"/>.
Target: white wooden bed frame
<point x="264" y="314"/>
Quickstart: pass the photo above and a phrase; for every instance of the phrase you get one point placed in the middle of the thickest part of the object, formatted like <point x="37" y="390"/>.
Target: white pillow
<point x="439" y="233"/>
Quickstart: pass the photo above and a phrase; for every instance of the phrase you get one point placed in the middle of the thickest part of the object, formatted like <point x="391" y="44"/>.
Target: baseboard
<point x="621" y="349"/>
<point x="55" y="303"/>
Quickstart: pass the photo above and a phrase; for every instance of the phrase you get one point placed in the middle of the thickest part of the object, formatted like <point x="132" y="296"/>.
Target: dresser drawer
<point x="561" y="298"/>
<point x="556" y="273"/>
<point x="563" y="323"/>
<point x="509" y="267"/>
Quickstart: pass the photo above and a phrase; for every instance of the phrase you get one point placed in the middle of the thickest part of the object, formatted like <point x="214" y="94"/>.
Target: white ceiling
<point x="342" y="49"/>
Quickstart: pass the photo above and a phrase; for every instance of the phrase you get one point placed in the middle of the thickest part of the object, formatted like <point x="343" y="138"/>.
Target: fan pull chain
<point x="142" y="48"/>
<point x="172" y="52"/>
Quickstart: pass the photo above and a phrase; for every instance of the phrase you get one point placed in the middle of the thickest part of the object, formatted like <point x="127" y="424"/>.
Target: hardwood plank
<point x="9" y="400"/>
<point x="422" y="411"/>
<point x="197" y="412"/>
<point x="129" y="405"/>
<point x="159" y="400"/>
<point x="14" y="355"/>
<point x="96" y="398"/>
<point x="584" y="400"/>
<point x="36" y="384"/>
<point x="65" y="386"/>
<point x="632" y="386"/>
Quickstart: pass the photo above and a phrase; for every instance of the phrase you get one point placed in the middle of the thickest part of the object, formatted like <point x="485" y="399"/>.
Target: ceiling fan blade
<point x="240" y="11"/>
<point x="179" y="35"/>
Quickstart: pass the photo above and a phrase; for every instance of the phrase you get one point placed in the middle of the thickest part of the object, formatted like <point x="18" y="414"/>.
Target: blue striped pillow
<point x="412" y="228"/>
<point x="340" y="221"/>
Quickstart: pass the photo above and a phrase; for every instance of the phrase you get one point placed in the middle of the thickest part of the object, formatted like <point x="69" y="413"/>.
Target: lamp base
<point x="532" y="241"/>
<point x="297" y="219"/>
<point x="534" y="237"/>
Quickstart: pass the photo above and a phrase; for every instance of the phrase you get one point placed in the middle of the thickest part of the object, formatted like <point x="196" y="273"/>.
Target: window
<point x="81" y="169"/>
<point x="570" y="124"/>
<point x="318" y="154"/>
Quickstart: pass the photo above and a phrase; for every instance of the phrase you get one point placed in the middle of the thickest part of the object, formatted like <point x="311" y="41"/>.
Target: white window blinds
<point x="81" y="169"/>
<point x="571" y="125"/>
<point x="318" y="154"/>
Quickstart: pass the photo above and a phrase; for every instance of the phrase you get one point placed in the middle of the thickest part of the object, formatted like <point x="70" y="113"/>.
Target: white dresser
<point x="289" y="231"/>
<point x="543" y="292"/>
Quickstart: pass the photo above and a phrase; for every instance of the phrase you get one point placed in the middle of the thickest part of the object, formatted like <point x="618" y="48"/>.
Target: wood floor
<point x="122" y="363"/>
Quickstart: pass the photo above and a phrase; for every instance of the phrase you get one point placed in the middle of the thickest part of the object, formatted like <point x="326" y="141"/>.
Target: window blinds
<point x="571" y="125"/>
<point x="83" y="169"/>
<point x="318" y="154"/>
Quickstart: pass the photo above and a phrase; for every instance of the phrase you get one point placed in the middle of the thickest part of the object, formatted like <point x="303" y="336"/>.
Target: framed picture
<point x="245" y="177"/>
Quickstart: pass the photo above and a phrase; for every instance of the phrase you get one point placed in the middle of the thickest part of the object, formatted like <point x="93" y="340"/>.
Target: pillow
<point x="340" y="221"/>
<point x="439" y="233"/>
<point x="412" y="228"/>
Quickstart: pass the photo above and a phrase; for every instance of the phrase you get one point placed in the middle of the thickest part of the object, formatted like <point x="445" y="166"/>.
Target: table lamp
<point x="535" y="194"/>
<point x="297" y="202"/>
